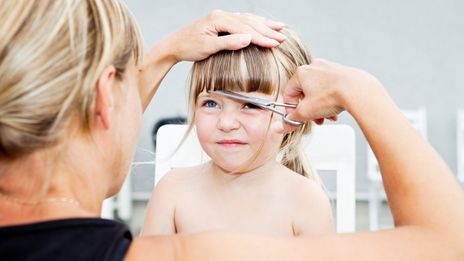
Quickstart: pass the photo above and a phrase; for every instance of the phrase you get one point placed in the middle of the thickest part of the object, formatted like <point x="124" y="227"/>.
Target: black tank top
<point x="66" y="239"/>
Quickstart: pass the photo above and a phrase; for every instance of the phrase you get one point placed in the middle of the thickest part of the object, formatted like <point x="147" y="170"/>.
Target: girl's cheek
<point x="277" y="127"/>
<point x="258" y="127"/>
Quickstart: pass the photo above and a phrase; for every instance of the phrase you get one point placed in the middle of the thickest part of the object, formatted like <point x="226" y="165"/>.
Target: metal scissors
<point x="262" y="103"/>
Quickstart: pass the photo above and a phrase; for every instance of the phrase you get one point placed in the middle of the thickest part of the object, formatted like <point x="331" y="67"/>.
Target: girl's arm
<point x="313" y="214"/>
<point x="200" y="39"/>
<point x="159" y="216"/>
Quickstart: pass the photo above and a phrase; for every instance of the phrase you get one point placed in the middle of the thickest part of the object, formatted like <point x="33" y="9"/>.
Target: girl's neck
<point x="257" y="175"/>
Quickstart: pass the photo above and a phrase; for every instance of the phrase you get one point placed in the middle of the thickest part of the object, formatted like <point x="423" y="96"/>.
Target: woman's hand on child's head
<point x="223" y="31"/>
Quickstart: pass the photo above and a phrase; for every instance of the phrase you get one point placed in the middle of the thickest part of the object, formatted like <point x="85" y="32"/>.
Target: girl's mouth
<point x="231" y="143"/>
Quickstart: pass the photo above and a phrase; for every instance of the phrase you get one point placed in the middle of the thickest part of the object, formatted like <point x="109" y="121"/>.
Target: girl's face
<point x="232" y="132"/>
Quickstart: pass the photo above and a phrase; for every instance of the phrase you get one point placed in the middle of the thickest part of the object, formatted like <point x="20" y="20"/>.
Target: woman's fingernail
<point x="283" y="36"/>
<point x="273" y="42"/>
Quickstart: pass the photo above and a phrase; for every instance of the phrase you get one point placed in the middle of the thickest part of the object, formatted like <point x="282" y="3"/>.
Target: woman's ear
<point x="104" y="98"/>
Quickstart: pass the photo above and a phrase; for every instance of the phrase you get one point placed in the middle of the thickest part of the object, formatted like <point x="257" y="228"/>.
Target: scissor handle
<point x="292" y="122"/>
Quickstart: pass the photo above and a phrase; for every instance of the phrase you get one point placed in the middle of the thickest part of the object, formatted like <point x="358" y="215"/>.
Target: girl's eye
<point x="210" y="104"/>
<point x="250" y="106"/>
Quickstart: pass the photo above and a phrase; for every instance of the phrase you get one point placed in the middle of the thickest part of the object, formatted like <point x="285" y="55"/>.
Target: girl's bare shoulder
<point x="301" y="187"/>
<point x="185" y="176"/>
<point x="310" y="205"/>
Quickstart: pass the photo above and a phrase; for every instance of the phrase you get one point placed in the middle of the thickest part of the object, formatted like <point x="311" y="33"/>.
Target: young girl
<point x="257" y="180"/>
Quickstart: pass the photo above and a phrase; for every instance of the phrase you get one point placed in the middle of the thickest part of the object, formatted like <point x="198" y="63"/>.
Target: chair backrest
<point x="460" y="143"/>
<point x="418" y="119"/>
<point x="330" y="147"/>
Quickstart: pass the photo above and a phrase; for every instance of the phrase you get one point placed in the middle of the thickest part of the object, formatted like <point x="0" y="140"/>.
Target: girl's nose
<point x="228" y="120"/>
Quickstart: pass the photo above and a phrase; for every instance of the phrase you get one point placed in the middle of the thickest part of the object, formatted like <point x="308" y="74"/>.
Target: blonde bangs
<point x="252" y="69"/>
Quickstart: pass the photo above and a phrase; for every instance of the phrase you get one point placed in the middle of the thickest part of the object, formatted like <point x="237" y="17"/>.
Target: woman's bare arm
<point x="405" y="243"/>
<point x="419" y="185"/>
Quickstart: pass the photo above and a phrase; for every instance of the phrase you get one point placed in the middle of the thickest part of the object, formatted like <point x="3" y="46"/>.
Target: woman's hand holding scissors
<point x="322" y="90"/>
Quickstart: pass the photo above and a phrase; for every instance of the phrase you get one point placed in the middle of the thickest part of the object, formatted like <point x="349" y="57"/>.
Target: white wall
<point x="414" y="47"/>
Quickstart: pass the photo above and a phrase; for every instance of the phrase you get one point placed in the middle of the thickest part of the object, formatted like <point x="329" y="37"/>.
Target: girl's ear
<point x="104" y="98"/>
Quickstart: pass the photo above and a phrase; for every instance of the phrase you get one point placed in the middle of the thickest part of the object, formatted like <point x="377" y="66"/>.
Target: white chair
<point x="330" y="147"/>
<point x="460" y="144"/>
<point x="418" y="118"/>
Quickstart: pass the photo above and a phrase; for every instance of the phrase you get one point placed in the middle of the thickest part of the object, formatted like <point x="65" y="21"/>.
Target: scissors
<point x="262" y="103"/>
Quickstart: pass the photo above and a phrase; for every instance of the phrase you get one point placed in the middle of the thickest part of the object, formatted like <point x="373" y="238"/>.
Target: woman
<point x="72" y="91"/>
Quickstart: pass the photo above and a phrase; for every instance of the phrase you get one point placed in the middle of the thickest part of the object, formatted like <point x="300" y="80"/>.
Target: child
<point x="243" y="188"/>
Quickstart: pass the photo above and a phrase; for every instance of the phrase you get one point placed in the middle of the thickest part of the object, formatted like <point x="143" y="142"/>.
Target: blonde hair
<point x="51" y="55"/>
<point x="257" y="69"/>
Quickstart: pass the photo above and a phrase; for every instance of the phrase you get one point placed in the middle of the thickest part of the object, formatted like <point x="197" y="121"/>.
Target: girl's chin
<point x="237" y="168"/>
